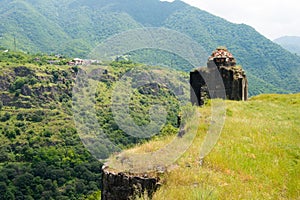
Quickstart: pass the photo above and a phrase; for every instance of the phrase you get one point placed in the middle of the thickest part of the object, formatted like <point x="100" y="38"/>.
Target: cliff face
<point x="26" y="87"/>
<point x="234" y="79"/>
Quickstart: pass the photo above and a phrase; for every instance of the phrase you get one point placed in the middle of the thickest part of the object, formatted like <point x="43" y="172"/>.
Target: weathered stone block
<point x="122" y="186"/>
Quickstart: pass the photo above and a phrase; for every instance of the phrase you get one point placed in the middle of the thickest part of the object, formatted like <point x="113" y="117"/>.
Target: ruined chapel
<point x="206" y="82"/>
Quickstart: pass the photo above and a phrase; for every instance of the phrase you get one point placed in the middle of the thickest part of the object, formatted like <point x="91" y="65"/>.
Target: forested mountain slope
<point x="41" y="154"/>
<point x="75" y="27"/>
<point x="291" y="43"/>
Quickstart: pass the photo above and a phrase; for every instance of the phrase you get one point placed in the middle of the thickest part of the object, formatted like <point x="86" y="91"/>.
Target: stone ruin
<point x="126" y="186"/>
<point x="233" y="77"/>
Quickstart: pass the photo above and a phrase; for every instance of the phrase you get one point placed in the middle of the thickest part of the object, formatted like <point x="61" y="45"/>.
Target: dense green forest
<point x="75" y="27"/>
<point x="42" y="157"/>
<point x="41" y="154"/>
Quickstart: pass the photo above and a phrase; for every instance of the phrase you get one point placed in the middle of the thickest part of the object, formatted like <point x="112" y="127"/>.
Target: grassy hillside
<point x="256" y="157"/>
<point x="75" y="27"/>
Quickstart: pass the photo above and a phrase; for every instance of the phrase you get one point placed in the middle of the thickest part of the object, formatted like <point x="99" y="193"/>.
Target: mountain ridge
<point x="75" y="27"/>
<point x="291" y="43"/>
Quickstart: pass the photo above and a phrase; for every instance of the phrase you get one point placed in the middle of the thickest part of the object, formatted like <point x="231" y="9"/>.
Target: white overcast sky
<point x="272" y="18"/>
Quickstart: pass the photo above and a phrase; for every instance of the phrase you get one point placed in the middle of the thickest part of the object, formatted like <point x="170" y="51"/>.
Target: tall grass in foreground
<point x="256" y="157"/>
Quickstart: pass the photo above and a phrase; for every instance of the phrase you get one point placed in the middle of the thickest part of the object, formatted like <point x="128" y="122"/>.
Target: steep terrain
<point x="291" y="43"/>
<point x="42" y="157"/>
<point x="41" y="154"/>
<point x="75" y="27"/>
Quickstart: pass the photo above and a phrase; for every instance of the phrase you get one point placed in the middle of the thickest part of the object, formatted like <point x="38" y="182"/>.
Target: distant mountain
<point x="291" y="43"/>
<point x="74" y="27"/>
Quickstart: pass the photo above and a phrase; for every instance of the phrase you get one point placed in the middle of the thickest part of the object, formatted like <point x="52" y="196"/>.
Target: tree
<point x="39" y="189"/>
<point x="24" y="180"/>
<point x="1" y="105"/>
<point x="80" y="186"/>
<point x="3" y="188"/>
<point x="29" y="197"/>
<point x="3" y="157"/>
<point x="9" y="195"/>
<point x="70" y="190"/>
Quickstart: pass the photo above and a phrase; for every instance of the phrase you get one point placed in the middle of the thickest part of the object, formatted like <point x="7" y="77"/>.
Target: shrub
<point x="10" y="134"/>
<point x="37" y="116"/>
<point x="47" y="133"/>
<point x="5" y="117"/>
<point x="19" y="124"/>
<point x="19" y="83"/>
<point x="20" y="117"/>
<point x="55" y="75"/>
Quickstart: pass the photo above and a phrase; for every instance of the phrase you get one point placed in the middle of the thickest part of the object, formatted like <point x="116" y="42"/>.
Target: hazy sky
<point x="273" y="19"/>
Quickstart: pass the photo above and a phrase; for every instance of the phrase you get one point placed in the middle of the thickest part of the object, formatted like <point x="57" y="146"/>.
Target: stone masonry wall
<point x="233" y="77"/>
<point x="122" y="186"/>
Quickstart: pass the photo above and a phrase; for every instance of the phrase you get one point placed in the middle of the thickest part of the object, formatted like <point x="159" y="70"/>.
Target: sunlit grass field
<point x="256" y="157"/>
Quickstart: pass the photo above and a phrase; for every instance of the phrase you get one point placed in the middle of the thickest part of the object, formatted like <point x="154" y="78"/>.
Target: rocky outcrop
<point x="122" y="186"/>
<point x="26" y="86"/>
<point x="15" y="101"/>
<point x="23" y="71"/>
<point x="25" y="90"/>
